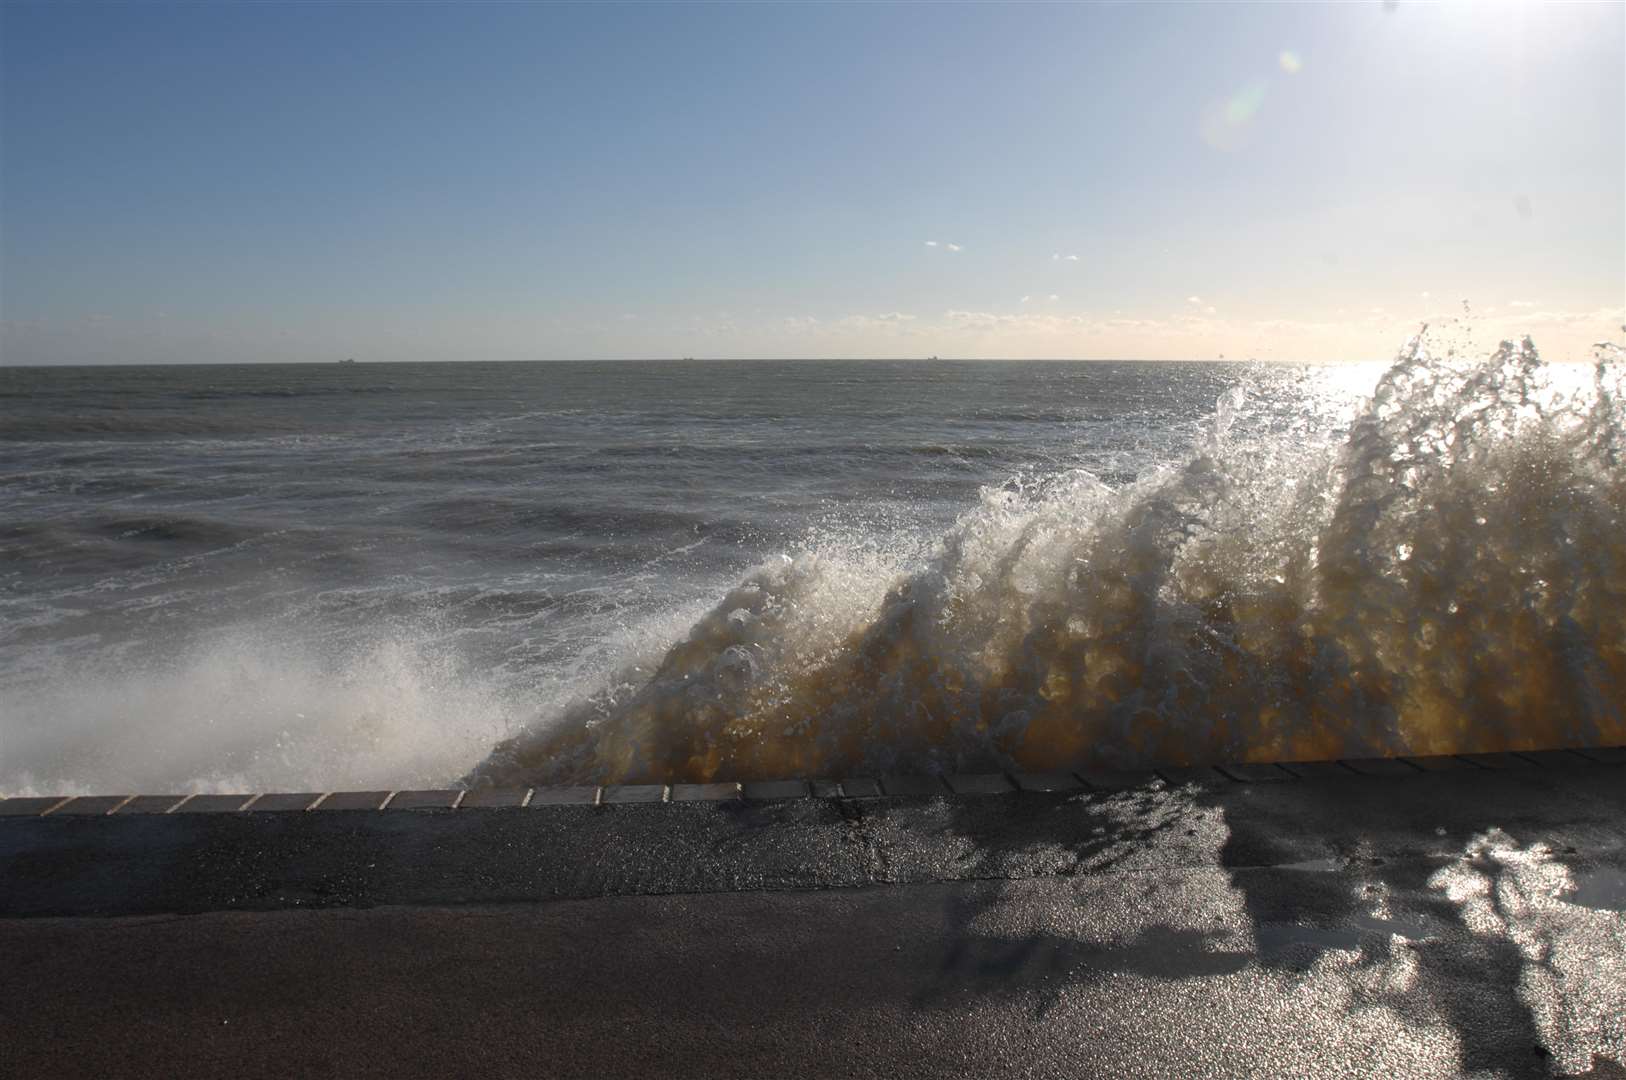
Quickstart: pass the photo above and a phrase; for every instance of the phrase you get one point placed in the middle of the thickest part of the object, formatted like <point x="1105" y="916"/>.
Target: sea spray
<point x="244" y="711"/>
<point x="1446" y="573"/>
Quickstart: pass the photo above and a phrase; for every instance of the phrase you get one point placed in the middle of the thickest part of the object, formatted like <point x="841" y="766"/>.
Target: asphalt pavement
<point x="1462" y="922"/>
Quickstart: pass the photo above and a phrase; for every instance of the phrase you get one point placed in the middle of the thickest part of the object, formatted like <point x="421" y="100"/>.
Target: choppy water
<point x="347" y="575"/>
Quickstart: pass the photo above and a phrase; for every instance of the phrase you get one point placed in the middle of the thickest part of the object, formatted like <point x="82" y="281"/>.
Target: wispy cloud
<point x="944" y="245"/>
<point x="1053" y="296"/>
<point x="890" y="322"/>
<point x="954" y="247"/>
<point x="1025" y="299"/>
<point x="1521" y="303"/>
<point x="1194" y="300"/>
<point x="1059" y="257"/>
<point x="1021" y="323"/>
<point x="931" y="243"/>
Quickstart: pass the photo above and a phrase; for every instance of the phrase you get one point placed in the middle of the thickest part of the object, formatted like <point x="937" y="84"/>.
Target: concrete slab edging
<point x="451" y="800"/>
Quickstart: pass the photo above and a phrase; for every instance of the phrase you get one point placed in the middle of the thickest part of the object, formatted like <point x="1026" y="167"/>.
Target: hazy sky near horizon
<point x="225" y="182"/>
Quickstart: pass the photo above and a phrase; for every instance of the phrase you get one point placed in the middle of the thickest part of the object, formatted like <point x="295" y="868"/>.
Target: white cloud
<point x="1424" y="294"/>
<point x="892" y="322"/>
<point x="1209" y="310"/>
<point x="1053" y="296"/>
<point x="1521" y="303"/>
<point x="954" y="247"/>
<point x="1072" y="258"/>
<point x="1601" y="318"/>
<point x="1025" y="299"/>
<point x="1194" y="300"/>
<point x="1059" y="257"/>
<point x="1034" y="322"/>
<point x="931" y="243"/>
<point x="721" y="324"/>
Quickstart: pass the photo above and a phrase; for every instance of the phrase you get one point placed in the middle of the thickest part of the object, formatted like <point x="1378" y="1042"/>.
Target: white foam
<point x="243" y="713"/>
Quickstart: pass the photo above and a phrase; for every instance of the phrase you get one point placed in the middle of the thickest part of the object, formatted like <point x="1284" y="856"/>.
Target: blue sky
<point x="513" y="181"/>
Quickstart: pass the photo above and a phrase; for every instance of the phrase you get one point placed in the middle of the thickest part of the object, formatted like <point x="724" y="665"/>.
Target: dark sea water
<point x="341" y="575"/>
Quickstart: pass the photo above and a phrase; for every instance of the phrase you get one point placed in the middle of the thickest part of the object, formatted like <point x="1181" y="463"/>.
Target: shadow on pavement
<point x="1463" y="928"/>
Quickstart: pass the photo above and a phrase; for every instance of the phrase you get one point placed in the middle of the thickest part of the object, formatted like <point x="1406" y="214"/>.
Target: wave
<point x="45" y="427"/>
<point x="1444" y="573"/>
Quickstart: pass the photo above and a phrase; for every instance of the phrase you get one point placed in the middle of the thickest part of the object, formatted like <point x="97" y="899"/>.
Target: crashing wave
<point x="1446" y="575"/>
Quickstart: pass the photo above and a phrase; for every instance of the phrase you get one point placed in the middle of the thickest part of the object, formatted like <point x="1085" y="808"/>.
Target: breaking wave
<point x="1445" y="572"/>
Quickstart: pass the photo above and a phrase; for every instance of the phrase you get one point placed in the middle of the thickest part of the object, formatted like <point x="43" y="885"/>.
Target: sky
<point x="511" y="181"/>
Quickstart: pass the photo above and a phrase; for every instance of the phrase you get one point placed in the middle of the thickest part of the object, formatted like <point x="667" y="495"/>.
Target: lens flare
<point x="1225" y="123"/>
<point x="1244" y="105"/>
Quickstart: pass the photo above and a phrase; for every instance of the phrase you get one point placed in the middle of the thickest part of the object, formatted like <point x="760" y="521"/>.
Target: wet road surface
<point x="1445" y="924"/>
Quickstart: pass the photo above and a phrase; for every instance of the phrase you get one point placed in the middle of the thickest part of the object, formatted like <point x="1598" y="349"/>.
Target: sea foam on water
<point x="1445" y="572"/>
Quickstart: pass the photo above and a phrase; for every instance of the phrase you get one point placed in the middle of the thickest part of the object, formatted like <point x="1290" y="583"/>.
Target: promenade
<point x="1431" y="917"/>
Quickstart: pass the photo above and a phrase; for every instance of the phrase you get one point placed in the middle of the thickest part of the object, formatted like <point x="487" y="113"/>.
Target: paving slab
<point x="1192" y="774"/>
<point x="578" y="795"/>
<point x="284" y="802"/>
<point x="30" y="805"/>
<point x="826" y="789"/>
<point x="212" y="804"/>
<point x="1047" y="781"/>
<point x="441" y="799"/>
<point x="1318" y="770"/>
<point x="769" y="790"/>
<point x="705" y="792"/>
<point x="1257" y="774"/>
<point x="150" y="804"/>
<point x="352" y="801"/>
<point x="981" y="784"/>
<point x="494" y="798"/>
<point x="1119" y="779"/>
<point x="91" y="805"/>
<point x="1439" y="763"/>
<point x="913" y="785"/>
<point x="634" y="793"/>
<point x="1498" y="761"/>
<point x="1556" y="759"/>
<point x="1381" y="766"/>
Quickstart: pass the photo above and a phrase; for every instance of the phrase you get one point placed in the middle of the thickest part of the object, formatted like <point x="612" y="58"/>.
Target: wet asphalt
<point x="1443" y="924"/>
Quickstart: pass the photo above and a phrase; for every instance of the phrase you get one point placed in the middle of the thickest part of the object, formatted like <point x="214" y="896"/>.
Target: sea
<point x="358" y="575"/>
